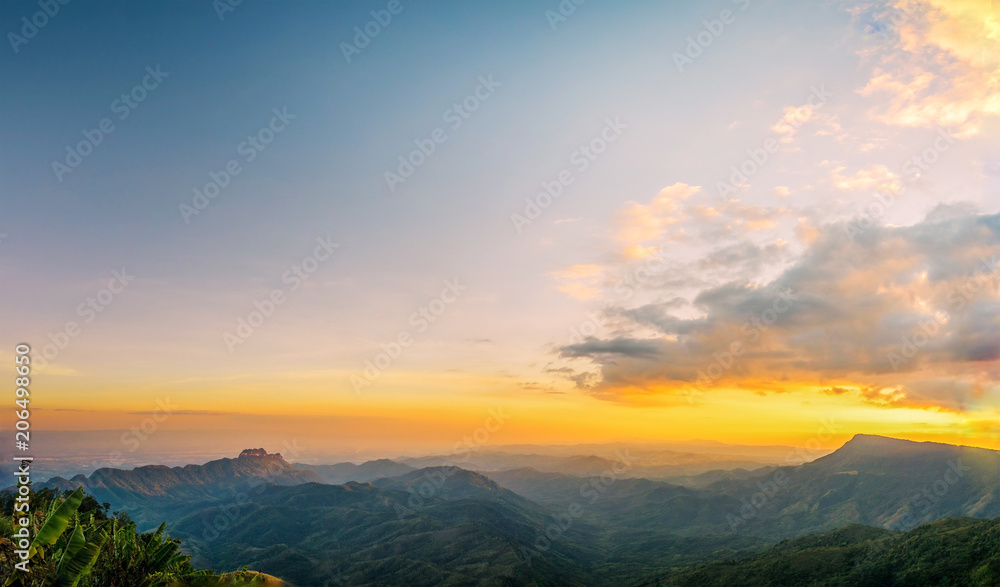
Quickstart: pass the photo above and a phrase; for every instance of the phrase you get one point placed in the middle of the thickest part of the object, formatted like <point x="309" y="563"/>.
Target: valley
<point x="580" y="520"/>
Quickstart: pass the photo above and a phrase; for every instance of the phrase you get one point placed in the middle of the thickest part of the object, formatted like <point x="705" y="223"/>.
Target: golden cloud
<point x="945" y="68"/>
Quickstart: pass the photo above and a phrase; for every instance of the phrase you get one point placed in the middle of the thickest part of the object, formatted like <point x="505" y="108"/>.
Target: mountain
<point x="469" y="531"/>
<point x="341" y="473"/>
<point x="644" y="462"/>
<point x="7" y="478"/>
<point x="449" y="525"/>
<point x="498" y="461"/>
<point x="702" y="480"/>
<point x="433" y="526"/>
<point x="454" y="484"/>
<point x="557" y="489"/>
<point x="539" y="486"/>
<point x="871" y="480"/>
<point x="649" y="450"/>
<point x="958" y="552"/>
<point x="153" y="493"/>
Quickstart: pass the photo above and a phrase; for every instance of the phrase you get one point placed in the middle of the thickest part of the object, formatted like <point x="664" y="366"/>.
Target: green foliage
<point x="6" y="525"/>
<point x="139" y="559"/>
<point x="55" y="556"/>
<point x="89" y="550"/>
<point x="79" y="556"/>
<point x="56" y="522"/>
<point x="956" y="552"/>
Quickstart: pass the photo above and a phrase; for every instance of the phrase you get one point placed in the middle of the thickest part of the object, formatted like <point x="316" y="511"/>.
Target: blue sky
<point x="324" y="176"/>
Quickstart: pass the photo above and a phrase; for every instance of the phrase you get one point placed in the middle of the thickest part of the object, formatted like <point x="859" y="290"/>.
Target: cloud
<point x="609" y="349"/>
<point x="183" y="413"/>
<point x="942" y="67"/>
<point x="874" y="394"/>
<point x="644" y="227"/>
<point x="873" y="177"/>
<point x="792" y="120"/>
<point x="715" y="245"/>
<point x="881" y="314"/>
<point x="583" y="270"/>
<point x="746" y="255"/>
<point x="580" y="291"/>
<point x="536" y="386"/>
<point x="644" y="223"/>
<point x="580" y="281"/>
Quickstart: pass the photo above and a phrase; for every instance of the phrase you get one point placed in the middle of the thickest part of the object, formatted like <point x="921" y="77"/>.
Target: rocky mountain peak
<point x="257" y="452"/>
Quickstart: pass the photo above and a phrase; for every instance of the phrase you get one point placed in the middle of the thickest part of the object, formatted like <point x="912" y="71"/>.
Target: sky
<point x="747" y="221"/>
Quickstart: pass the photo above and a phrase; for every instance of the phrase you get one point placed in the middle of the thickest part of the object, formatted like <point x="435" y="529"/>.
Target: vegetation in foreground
<point x="955" y="552"/>
<point x="75" y="544"/>
<point x="463" y="528"/>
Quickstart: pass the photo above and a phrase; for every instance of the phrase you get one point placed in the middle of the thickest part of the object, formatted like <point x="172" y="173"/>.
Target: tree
<point x="70" y="556"/>
<point x="74" y="548"/>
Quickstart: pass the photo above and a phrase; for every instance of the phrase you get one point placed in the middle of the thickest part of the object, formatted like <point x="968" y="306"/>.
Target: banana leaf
<point x="56" y="522"/>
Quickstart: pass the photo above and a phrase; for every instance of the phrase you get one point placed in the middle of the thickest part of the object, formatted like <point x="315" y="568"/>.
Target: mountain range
<point x="390" y="523"/>
<point x="154" y="493"/>
<point x="364" y="472"/>
<point x="954" y="552"/>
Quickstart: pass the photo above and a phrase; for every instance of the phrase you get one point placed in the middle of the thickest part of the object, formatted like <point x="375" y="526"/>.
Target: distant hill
<point x="702" y="480"/>
<point x="432" y="526"/>
<point x="871" y="480"/>
<point x="645" y="463"/>
<point x="496" y="461"/>
<point x="155" y="493"/>
<point x="558" y="489"/>
<point x="957" y="552"/>
<point x="470" y="532"/>
<point x="341" y="473"/>
<point x="448" y="525"/>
